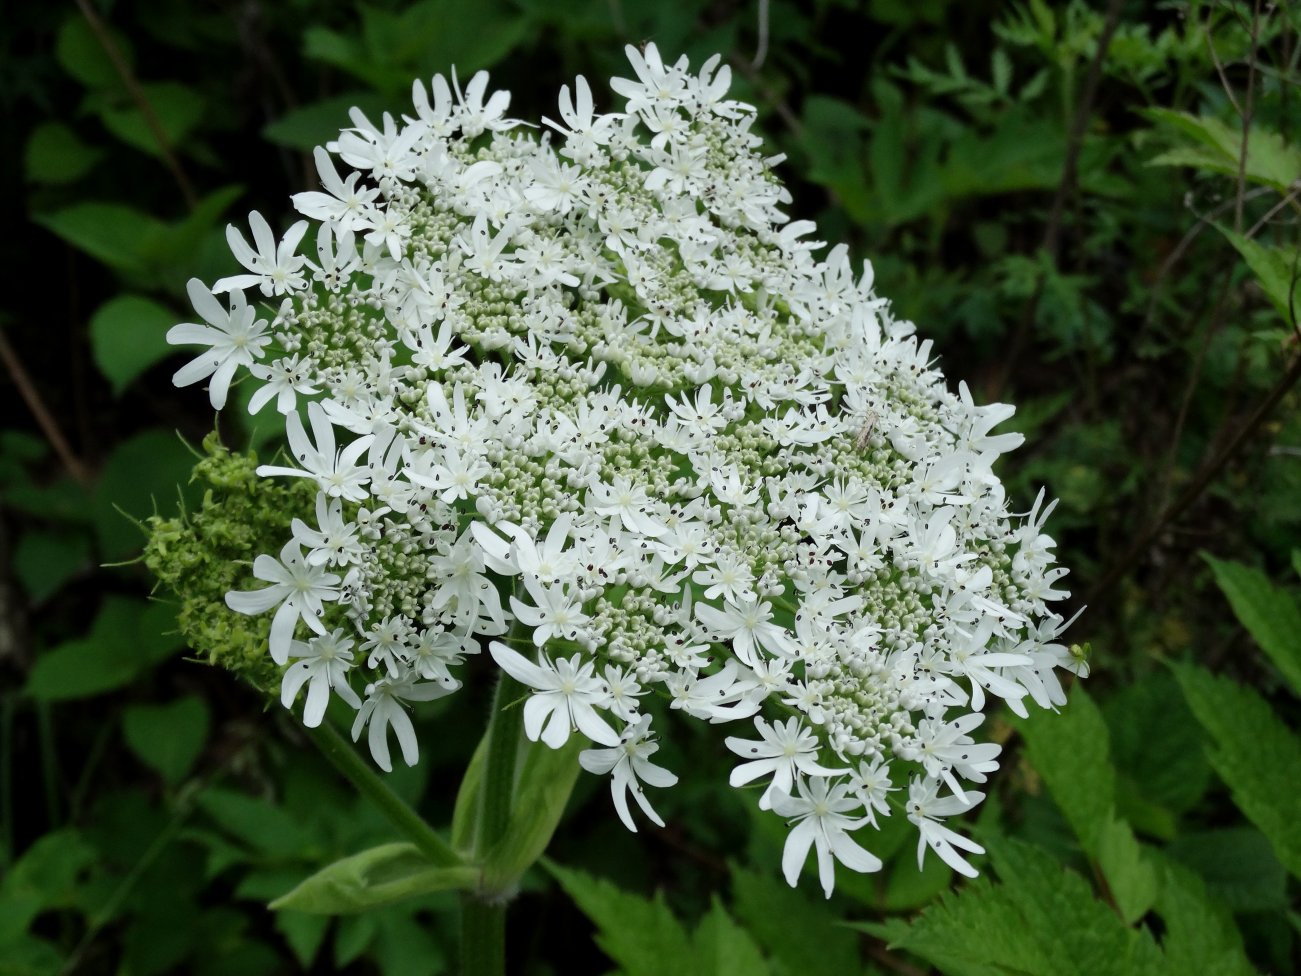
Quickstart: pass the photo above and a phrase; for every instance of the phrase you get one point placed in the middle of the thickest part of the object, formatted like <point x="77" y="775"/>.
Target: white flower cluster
<point x="585" y="389"/>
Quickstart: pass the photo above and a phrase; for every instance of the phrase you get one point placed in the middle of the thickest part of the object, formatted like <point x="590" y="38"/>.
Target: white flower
<point x="629" y="766"/>
<point x="383" y="708"/>
<point x="297" y="588"/>
<point x="599" y="387"/>
<point x="923" y="810"/>
<point x="337" y="471"/>
<point x="786" y="747"/>
<point x="565" y="699"/>
<point x="323" y="665"/>
<point x="276" y="268"/>
<point x="820" y="814"/>
<point x="236" y="338"/>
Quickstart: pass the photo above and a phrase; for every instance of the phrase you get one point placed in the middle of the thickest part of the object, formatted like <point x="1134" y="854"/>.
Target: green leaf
<point x="1217" y="147"/>
<point x="1200" y="936"/>
<point x="465" y="814"/>
<point x="177" y="108"/>
<point x="82" y="56"/>
<point x="44" y="560"/>
<point x="127" y="637"/>
<point x="1040" y="919"/>
<point x="380" y="876"/>
<point x="1271" y="615"/>
<point x="1238" y="866"/>
<point x="723" y="948"/>
<point x="112" y="233"/>
<point x="1255" y="754"/>
<point x="1070" y="751"/>
<point x="260" y="824"/>
<point x="393" y="47"/>
<point x="1130" y="875"/>
<point x="141" y="476"/>
<point x="56" y="155"/>
<point x="313" y="125"/>
<point x="1277" y="269"/>
<point x="48" y="875"/>
<point x="128" y="334"/>
<point x="142" y="248"/>
<point x="304" y="933"/>
<point x="803" y="941"/>
<point x="536" y="808"/>
<point x="639" y="934"/>
<point x="168" y="737"/>
<point x="1156" y="744"/>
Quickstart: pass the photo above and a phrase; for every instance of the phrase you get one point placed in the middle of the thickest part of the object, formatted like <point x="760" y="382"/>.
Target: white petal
<point x="294" y="679"/>
<point x="318" y="697"/>
<point x="252" y="602"/>
<point x="796" y="850"/>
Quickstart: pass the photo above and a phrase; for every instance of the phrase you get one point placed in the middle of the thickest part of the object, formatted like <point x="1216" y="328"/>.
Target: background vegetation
<point x="1093" y="210"/>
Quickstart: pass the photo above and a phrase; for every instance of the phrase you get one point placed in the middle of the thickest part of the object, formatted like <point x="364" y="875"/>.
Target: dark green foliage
<point x="1108" y="245"/>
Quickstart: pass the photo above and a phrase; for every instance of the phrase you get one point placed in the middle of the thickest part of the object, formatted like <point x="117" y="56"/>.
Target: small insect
<point x="865" y="434"/>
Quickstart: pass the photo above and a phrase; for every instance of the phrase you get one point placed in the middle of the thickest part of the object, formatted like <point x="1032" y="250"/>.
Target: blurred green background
<point x="1091" y="207"/>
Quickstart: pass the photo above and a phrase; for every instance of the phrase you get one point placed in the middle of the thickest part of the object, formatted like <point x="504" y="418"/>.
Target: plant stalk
<point x="483" y="912"/>
<point x="344" y="758"/>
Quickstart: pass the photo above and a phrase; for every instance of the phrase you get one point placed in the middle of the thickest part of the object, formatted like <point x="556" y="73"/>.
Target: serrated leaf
<point x="1269" y="613"/>
<point x="380" y="876"/>
<point x="1277" y="269"/>
<point x="640" y="934"/>
<point x="56" y="155"/>
<point x="803" y="941"/>
<point x="1257" y="756"/>
<point x="722" y="948"/>
<point x="1200" y="936"/>
<point x="536" y="808"/>
<point x="1238" y="866"/>
<point x="1156" y="745"/>
<point x="128" y="334"/>
<point x="1270" y="160"/>
<point x="1041" y="919"/>
<point x="1130" y="876"/>
<point x="168" y="737"/>
<point x="1070" y="751"/>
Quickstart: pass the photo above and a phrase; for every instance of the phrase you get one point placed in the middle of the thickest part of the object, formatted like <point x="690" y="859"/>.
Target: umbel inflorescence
<point x="583" y="395"/>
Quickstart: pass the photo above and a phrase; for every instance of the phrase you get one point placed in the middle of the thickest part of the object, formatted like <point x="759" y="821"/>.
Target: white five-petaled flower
<point x="924" y="809"/>
<point x="235" y="337"/>
<point x="821" y="818"/>
<point x="628" y="765"/>
<point x="786" y="749"/>
<point x="565" y="698"/>
<point x="323" y="664"/>
<point x="299" y="590"/>
<point x="276" y="268"/>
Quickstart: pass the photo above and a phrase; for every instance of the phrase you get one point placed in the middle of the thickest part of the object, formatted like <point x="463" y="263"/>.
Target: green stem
<point x="504" y="731"/>
<point x="483" y="913"/>
<point x="369" y="783"/>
